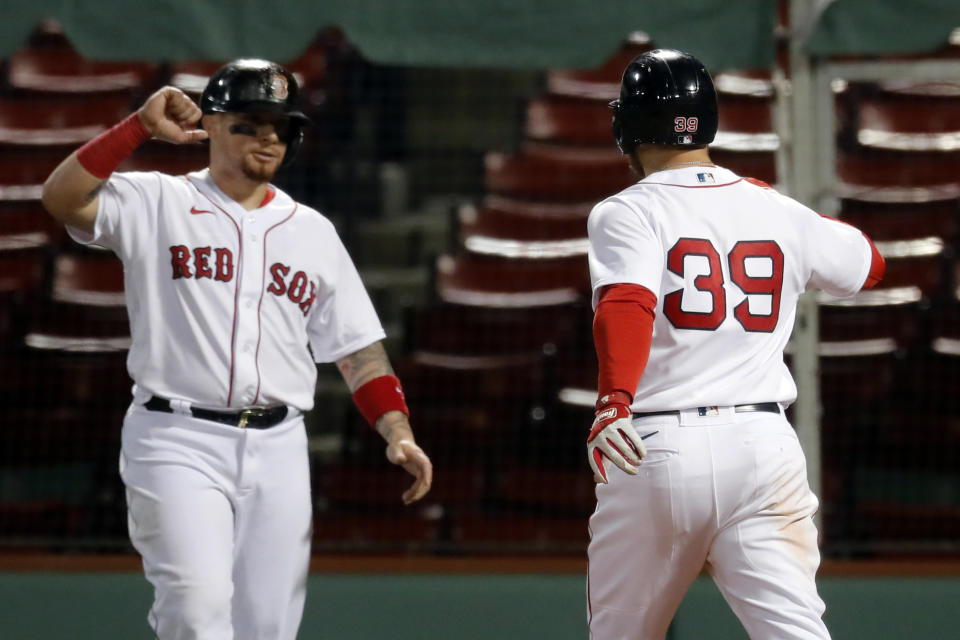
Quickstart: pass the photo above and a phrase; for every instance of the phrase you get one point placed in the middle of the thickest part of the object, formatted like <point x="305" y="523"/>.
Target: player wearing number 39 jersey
<point x="696" y="273"/>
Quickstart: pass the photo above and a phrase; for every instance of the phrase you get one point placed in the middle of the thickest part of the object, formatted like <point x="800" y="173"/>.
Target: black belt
<point x="254" y="417"/>
<point x="766" y="407"/>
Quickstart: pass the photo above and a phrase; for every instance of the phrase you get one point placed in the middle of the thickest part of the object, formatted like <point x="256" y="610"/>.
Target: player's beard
<point x="258" y="171"/>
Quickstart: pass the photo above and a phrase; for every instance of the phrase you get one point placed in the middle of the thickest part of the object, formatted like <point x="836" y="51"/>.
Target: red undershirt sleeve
<point x="622" y="333"/>
<point x="878" y="266"/>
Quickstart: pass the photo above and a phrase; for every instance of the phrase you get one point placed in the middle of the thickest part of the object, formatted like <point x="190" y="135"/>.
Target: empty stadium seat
<point x="894" y="175"/>
<point x="62" y="70"/>
<point x="71" y="354"/>
<point x="910" y="116"/>
<point x="88" y="278"/>
<point x="533" y="227"/>
<point x="569" y="120"/>
<point x="68" y="120"/>
<point x="553" y="173"/>
<point x="23" y="263"/>
<point x="27" y="219"/>
<point x="602" y="83"/>
<point x="504" y="282"/>
<point x="863" y="344"/>
<point x="903" y="220"/>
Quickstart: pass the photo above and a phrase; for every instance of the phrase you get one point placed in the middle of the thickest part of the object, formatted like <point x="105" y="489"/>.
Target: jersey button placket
<point x="248" y="326"/>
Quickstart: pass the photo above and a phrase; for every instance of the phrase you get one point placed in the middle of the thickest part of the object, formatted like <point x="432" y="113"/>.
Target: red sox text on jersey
<point x="196" y="263"/>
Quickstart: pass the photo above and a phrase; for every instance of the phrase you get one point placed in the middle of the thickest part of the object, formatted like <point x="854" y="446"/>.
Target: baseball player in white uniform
<point x="696" y="274"/>
<point x="234" y="291"/>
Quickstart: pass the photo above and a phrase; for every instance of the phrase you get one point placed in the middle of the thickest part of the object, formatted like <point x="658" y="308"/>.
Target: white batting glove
<point x="613" y="437"/>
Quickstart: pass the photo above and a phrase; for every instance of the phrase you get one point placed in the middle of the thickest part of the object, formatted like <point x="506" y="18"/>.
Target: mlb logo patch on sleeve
<point x="706" y="178"/>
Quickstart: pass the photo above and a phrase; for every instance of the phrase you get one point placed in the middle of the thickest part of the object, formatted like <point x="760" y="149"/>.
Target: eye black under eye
<point x="243" y="129"/>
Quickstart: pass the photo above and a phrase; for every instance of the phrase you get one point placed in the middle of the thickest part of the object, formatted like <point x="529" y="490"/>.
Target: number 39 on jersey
<point x="755" y="267"/>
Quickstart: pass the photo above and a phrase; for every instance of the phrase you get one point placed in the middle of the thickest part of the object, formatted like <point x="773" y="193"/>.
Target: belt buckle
<point x="250" y="412"/>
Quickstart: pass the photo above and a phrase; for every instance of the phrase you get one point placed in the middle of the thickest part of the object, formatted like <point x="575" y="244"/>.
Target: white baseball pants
<point x="222" y="519"/>
<point x="727" y="493"/>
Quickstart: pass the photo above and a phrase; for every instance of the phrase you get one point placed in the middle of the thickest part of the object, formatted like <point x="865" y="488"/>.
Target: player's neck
<point x="655" y="159"/>
<point x="248" y="193"/>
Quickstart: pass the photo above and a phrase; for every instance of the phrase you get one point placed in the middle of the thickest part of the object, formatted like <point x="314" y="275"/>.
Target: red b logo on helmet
<point x="278" y="84"/>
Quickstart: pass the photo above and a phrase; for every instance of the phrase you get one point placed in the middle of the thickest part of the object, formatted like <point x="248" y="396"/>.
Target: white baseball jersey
<point x="727" y="259"/>
<point x="225" y="304"/>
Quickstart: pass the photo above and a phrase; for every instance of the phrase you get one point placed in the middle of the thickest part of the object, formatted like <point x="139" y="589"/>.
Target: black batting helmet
<point x="666" y="97"/>
<point x="249" y="85"/>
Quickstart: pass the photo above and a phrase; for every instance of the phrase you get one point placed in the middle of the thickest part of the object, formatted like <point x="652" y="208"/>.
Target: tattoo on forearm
<point x="87" y="199"/>
<point x="364" y="365"/>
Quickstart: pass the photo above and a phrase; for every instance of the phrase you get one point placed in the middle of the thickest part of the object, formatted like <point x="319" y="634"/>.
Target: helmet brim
<point x="270" y="108"/>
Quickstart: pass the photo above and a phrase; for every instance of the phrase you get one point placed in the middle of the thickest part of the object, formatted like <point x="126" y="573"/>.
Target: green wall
<point x="80" y="606"/>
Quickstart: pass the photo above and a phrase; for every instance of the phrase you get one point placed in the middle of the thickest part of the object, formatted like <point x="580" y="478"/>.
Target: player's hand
<point x="403" y="451"/>
<point x="170" y="115"/>
<point x="613" y="437"/>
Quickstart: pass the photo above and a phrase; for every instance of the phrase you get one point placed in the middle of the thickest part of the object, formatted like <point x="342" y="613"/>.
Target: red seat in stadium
<point x="38" y="132"/>
<point x="88" y="278"/>
<point x="62" y="70"/>
<point x="864" y="343"/>
<point x="893" y="175"/>
<point x="910" y="116"/>
<point x="903" y="220"/>
<point x="509" y="227"/>
<point x="569" y="120"/>
<point x="23" y="263"/>
<point x="490" y="281"/>
<point x="746" y="141"/>
<point x="552" y="173"/>
<point x="27" y="219"/>
<point x="67" y="120"/>
<point x="603" y="82"/>
<point x="71" y="354"/>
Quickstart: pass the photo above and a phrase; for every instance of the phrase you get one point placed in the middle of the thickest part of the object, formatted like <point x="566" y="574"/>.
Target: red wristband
<point x="102" y="155"/>
<point x="616" y="396"/>
<point x="376" y="397"/>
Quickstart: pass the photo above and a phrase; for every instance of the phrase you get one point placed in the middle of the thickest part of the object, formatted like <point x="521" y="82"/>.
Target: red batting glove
<point x="613" y="436"/>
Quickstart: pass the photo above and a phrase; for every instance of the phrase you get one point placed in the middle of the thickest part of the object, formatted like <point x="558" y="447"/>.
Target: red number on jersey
<point x="767" y="285"/>
<point x="712" y="283"/>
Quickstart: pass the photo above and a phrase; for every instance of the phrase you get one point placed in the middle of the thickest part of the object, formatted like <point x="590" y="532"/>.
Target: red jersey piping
<point x="256" y="357"/>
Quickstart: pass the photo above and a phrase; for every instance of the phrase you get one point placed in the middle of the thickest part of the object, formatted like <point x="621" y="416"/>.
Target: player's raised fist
<point x="169" y="114"/>
<point x="613" y="437"/>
